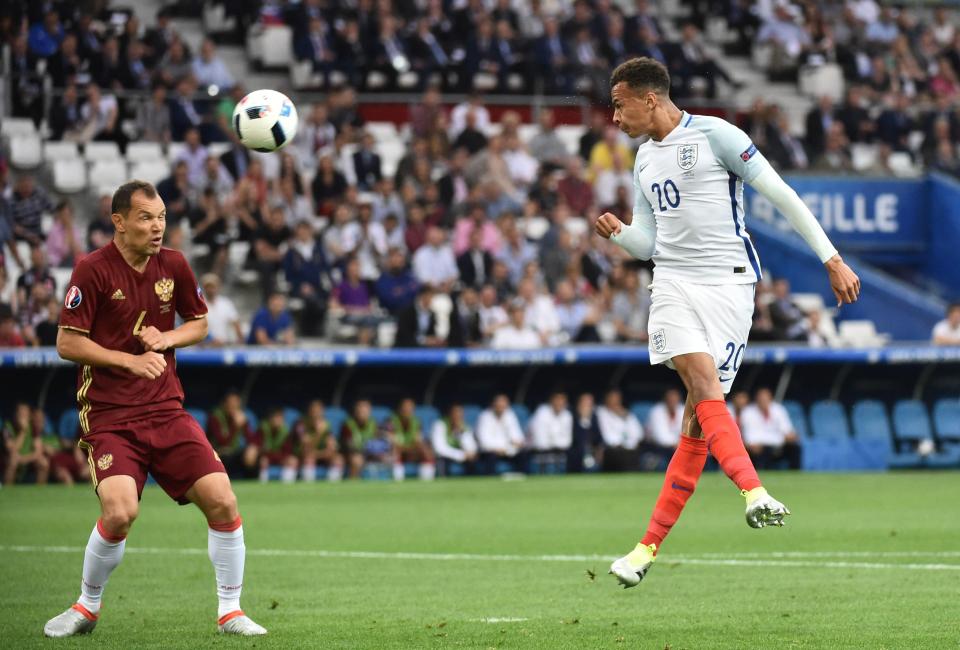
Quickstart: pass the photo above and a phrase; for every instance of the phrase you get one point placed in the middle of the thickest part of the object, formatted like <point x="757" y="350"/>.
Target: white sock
<point x="308" y="473"/>
<point x="99" y="560"/>
<point x="288" y="474"/>
<point x="428" y="471"/>
<point x="227" y="553"/>
<point x="335" y="474"/>
<point x="398" y="472"/>
<point x="264" y="474"/>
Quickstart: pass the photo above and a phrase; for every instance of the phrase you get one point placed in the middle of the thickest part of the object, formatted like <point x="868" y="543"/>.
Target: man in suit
<point x="552" y="55"/>
<point x="417" y="325"/>
<point x="475" y="264"/>
<point x="366" y="165"/>
<point x="818" y="123"/>
<point x="236" y="160"/>
<point x="317" y="46"/>
<point x="427" y="54"/>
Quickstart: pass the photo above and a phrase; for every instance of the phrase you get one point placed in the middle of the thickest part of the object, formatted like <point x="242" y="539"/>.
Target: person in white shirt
<point x="499" y="435"/>
<point x="458" y="116"/>
<point x="223" y="319"/>
<point x="434" y="263"/>
<point x="768" y="432"/>
<point x="541" y="312"/>
<point x="621" y="433"/>
<point x="516" y="335"/>
<point x="947" y="331"/>
<point x="551" y="427"/>
<point x="664" y="424"/>
<point x="367" y="240"/>
<point x="453" y="440"/>
<point x="492" y="315"/>
<point x="194" y="154"/>
<point x="209" y="69"/>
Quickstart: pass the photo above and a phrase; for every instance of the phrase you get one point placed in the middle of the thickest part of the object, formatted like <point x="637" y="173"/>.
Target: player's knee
<point x="222" y="506"/>
<point x="118" y="518"/>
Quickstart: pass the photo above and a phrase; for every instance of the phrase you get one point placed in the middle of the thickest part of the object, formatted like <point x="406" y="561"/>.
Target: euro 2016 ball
<point x="265" y="120"/>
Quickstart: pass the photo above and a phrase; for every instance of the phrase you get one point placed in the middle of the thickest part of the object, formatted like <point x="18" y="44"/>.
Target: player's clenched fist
<point x="154" y="340"/>
<point x="608" y="224"/>
<point x="148" y="365"/>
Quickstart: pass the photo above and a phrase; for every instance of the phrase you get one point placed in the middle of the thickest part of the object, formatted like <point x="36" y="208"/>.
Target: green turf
<point x="165" y="600"/>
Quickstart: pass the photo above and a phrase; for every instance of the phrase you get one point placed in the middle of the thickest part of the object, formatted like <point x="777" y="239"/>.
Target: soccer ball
<point x="265" y="120"/>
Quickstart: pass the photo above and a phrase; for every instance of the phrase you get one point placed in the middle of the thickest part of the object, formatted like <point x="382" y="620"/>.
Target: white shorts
<point x="687" y="317"/>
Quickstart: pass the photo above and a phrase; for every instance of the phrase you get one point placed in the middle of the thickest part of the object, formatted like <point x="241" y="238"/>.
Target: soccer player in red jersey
<point x="118" y="325"/>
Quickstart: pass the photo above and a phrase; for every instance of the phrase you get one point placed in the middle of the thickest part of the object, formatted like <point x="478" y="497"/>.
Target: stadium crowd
<point x="374" y="441"/>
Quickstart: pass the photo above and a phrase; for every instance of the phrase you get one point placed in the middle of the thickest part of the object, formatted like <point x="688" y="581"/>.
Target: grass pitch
<point x="866" y="561"/>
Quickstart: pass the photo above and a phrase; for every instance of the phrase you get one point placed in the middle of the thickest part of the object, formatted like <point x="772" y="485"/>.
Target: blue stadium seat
<point x="335" y="418"/>
<point x="872" y="439"/>
<point x="427" y="415"/>
<point x="252" y="418"/>
<point x="200" y="416"/>
<point x="911" y="423"/>
<point x="523" y="415"/>
<point x="946" y="420"/>
<point x="471" y="413"/>
<point x="381" y="413"/>
<point x="642" y="411"/>
<point x="798" y="418"/>
<point x="830" y="448"/>
<point x="290" y="416"/>
<point x="69" y="424"/>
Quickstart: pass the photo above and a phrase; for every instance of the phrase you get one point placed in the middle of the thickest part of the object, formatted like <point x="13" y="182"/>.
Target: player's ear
<point x="117" y="220"/>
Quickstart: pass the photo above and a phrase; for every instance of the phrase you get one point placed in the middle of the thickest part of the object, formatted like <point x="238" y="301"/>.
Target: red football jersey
<point x="111" y="302"/>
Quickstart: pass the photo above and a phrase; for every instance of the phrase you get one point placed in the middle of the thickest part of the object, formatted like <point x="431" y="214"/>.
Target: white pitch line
<point x="505" y="619"/>
<point x="712" y="560"/>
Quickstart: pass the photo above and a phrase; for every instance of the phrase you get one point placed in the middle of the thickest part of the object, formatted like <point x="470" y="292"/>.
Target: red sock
<point x="726" y="445"/>
<point x="682" y="473"/>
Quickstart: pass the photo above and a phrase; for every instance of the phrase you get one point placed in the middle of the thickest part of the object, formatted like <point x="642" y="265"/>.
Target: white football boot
<point x="763" y="509"/>
<point x="631" y="568"/>
<point x="239" y="623"/>
<point x="76" y="620"/>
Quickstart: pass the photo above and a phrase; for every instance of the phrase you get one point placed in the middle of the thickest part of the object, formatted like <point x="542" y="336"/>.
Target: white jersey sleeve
<point x="733" y="148"/>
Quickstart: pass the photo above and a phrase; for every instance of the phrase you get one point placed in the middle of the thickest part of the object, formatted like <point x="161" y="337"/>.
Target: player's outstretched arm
<point x="189" y="333"/>
<point x="843" y="281"/>
<point x="638" y="235"/>
<point x="78" y="347"/>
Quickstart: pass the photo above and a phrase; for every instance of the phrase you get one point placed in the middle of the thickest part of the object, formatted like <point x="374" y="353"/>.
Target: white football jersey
<point x="691" y="184"/>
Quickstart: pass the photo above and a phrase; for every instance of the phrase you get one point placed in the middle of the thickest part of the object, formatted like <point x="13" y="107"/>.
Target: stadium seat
<point x="642" y="411"/>
<point x="144" y="152"/>
<point x="276" y="46"/>
<point x="798" y="418"/>
<point x="946" y="420"/>
<point x="862" y="156"/>
<point x="860" y="333"/>
<point x="290" y="416"/>
<point x="570" y="136"/>
<point x="97" y="151"/>
<point x="523" y="415"/>
<point x="174" y="149"/>
<point x="901" y="164"/>
<point x="200" y="416"/>
<point x="381" y="414"/>
<point x="382" y="131"/>
<point x="872" y="439"/>
<point x="60" y="150"/>
<point x="217" y="149"/>
<point x="26" y="151"/>
<point x="109" y="173"/>
<point x="427" y="415"/>
<point x="69" y="176"/>
<point x="911" y="423"/>
<point x="13" y="126"/>
<point x="471" y="413"/>
<point x="153" y="172"/>
<point x="252" y="418"/>
<point x="527" y="132"/>
<point x="830" y="447"/>
<point x="822" y="80"/>
<point x="69" y="424"/>
<point x="335" y="418"/>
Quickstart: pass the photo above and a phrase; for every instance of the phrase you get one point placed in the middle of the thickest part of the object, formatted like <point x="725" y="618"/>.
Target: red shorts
<point x="170" y="446"/>
<point x="64" y="459"/>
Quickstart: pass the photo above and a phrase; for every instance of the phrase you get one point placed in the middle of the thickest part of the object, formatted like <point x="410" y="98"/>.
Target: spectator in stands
<point x="23" y="446"/>
<point x="453" y="440"/>
<point x="64" y="241"/>
<point x="857" y="124"/>
<point x="361" y="439"/>
<point x="586" y="434"/>
<point x="499" y="436"/>
<point x="38" y="274"/>
<point x="232" y="437"/>
<point x="620" y="433"/>
<point x="27" y="96"/>
<point x="214" y="177"/>
<point x="366" y="165"/>
<point x="631" y="308"/>
<point x="609" y="181"/>
<point x="434" y="263"/>
<point x="574" y="189"/>
<point x="385" y="201"/>
<point x="664" y="425"/>
<point x="471" y="137"/>
<point x="99" y="119"/>
<point x="409" y="445"/>
<point x="153" y="116"/>
<point x="307" y="272"/>
<point x="576" y="317"/>
<point x="836" y="155"/>
<point x="366" y="240"/>
<point x="390" y="53"/>
<point x="515" y="251"/>
<point x="786" y="37"/>
<point x="269" y="246"/>
<point x="476" y="220"/>
<point x="44" y="38"/>
<point x="209" y="69"/>
<point x="66" y="65"/>
<point x="603" y="153"/>
<point x="277" y="446"/>
<point x="768" y="433"/>
<point x="175" y="191"/>
<point x="396" y="288"/>
<point x="546" y="146"/>
<point x="28" y="203"/>
<point x="194" y="154"/>
<point x="9" y="332"/>
<point x="517" y="334"/>
<point x="427" y="54"/>
<point x="895" y="123"/>
<point x="947" y="331"/>
<point x="475" y="264"/>
<point x="788" y="320"/>
<point x="223" y="319"/>
<point x="328" y="187"/>
<point x="431" y="321"/>
<point x="696" y="61"/>
<point x="351" y="300"/>
<point x="551" y="427"/>
<point x="133" y="72"/>
<point x="184" y="113"/>
<point x="818" y="122"/>
<point x="65" y="113"/>
<point x="315" y="134"/>
<point x="272" y="324"/>
<point x="318" y="444"/>
<point x="317" y="45"/>
<point x="540" y="311"/>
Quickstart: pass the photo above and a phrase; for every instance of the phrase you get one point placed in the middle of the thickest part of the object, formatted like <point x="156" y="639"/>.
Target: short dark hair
<point x="121" y="198"/>
<point x="952" y="306"/>
<point x="642" y="74"/>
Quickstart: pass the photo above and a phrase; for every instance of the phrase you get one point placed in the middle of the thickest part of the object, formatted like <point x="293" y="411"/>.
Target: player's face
<point x="632" y="111"/>
<point x="144" y="224"/>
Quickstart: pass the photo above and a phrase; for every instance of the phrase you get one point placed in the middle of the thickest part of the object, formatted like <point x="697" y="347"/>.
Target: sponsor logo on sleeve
<point x="73" y="298"/>
<point x="748" y="154"/>
<point x="200" y="293"/>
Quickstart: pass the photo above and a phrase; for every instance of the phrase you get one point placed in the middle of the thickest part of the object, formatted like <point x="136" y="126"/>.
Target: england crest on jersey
<point x="687" y="156"/>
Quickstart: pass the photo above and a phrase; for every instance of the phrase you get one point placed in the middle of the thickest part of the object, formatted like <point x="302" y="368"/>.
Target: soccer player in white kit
<point x="688" y="216"/>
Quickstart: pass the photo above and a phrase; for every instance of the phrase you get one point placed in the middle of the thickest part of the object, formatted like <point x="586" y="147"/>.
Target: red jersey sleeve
<point x="189" y="296"/>
<point x="81" y="299"/>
